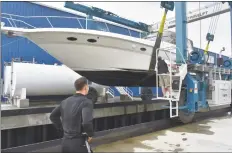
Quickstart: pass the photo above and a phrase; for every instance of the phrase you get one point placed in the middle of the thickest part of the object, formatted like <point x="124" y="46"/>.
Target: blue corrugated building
<point x="28" y="14"/>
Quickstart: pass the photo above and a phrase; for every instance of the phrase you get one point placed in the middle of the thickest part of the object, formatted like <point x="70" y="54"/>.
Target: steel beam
<point x="230" y="4"/>
<point x="181" y="31"/>
<point x="0" y="92"/>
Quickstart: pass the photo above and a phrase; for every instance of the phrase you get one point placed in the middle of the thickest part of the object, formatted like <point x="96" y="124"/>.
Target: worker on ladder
<point x="164" y="78"/>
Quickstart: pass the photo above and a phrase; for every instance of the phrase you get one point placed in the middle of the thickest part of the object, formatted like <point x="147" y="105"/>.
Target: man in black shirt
<point x="74" y="116"/>
<point x="164" y="80"/>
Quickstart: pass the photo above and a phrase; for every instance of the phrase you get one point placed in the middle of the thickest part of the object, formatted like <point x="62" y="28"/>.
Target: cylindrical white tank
<point x="6" y="79"/>
<point x="39" y="79"/>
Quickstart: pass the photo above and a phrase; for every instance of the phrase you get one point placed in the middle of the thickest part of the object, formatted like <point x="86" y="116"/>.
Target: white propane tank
<point x="39" y="79"/>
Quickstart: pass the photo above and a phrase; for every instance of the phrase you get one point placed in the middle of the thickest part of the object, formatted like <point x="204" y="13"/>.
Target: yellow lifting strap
<point x="206" y="48"/>
<point x="161" y="28"/>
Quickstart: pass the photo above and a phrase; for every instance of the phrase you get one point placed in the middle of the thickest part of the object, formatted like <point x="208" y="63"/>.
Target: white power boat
<point x="102" y="57"/>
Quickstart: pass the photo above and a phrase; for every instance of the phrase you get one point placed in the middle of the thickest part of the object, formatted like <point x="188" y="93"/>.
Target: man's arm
<point x="55" y="118"/>
<point x="87" y="118"/>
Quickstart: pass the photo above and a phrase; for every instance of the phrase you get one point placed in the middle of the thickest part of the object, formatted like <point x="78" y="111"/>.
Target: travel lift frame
<point x="193" y="91"/>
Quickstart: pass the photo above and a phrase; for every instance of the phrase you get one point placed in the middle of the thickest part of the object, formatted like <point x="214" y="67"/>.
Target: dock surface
<point x="210" y="135"/>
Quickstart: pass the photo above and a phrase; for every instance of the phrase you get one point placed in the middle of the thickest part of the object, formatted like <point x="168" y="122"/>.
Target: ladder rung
<point x="161" y="98"/>
<point x="175" y="100"/>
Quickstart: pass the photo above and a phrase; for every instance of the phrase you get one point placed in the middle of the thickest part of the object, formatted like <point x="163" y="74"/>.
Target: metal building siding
<point x="32" y="9"/>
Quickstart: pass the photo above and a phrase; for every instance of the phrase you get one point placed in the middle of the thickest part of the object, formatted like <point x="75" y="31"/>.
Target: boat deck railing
<point x="32" y="22"/>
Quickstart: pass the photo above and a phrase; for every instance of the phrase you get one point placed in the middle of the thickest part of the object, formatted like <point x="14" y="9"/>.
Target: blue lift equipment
<point x="194" y="85"/>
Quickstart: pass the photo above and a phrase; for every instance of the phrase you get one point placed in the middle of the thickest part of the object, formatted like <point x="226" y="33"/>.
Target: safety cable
<point x="216" y="20"/>
<point x="200" y="23"/>
<point x="215" y="27"/>
<point x="211" y="21"/>
<point x="212" y="27"/>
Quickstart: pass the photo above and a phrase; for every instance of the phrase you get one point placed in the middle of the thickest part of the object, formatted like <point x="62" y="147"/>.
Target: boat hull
<point x="121" y="78"/>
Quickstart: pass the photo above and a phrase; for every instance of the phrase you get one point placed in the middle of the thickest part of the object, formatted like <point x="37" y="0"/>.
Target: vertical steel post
<point x="181" y="31"/>
<point x="230" y="4"/>
<point x="0" y="94"/>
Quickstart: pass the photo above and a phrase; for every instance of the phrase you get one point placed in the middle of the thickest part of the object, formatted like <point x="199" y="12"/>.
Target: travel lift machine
<point x="189" y="90"/>
<point x="189" y="85"/>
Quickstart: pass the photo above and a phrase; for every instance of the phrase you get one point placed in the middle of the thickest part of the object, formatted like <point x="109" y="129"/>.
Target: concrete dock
<point x="211" y="135"/>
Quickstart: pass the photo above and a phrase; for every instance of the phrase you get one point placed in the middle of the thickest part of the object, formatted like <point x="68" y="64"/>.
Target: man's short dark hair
<point x="80" y="83"/>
